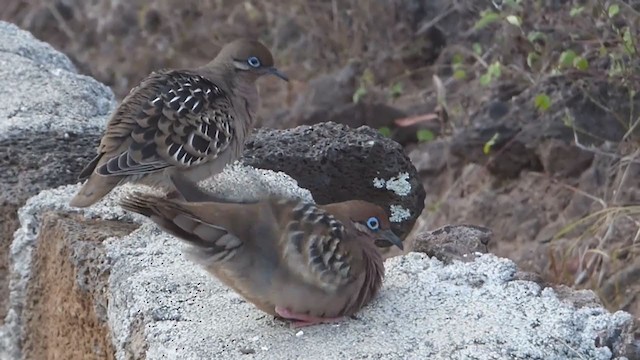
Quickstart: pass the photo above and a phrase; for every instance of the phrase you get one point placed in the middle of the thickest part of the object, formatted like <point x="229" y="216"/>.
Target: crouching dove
<point x="183" y="123"/>
<point x="299" y="261"/>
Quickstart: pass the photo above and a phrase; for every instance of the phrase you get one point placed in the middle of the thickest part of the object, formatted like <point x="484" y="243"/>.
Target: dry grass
<point x="118" y="42"/>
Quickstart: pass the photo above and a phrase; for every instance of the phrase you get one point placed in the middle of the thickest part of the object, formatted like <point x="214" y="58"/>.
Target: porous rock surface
<point x="338" y="163"/>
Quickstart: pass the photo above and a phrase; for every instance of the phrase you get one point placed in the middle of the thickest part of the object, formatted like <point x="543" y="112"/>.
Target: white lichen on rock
<point x="378" y="183"/>
<point x="398" y="213"/>
<point x="399" y="184"/>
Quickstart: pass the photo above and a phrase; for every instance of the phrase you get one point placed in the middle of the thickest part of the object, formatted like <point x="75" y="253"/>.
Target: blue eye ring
<point x="253" y="62"/>
<point x="373" y="223"/>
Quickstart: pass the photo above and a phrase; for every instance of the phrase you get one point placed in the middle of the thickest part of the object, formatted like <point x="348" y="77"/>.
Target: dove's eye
<point x="253" y="61"/>
<point x="373" y="223"/>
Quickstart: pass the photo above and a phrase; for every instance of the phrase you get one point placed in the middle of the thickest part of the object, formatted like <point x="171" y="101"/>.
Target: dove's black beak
<point x="386" y="238"/>
<point x="275" y="72"/>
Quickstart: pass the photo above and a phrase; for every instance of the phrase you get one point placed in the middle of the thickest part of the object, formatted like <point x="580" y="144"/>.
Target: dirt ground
<point x="520" y="118"/>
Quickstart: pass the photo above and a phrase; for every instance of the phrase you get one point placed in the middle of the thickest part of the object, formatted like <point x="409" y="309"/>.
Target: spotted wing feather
<point x="180" y="119"/>
<point x="313" y="246"/>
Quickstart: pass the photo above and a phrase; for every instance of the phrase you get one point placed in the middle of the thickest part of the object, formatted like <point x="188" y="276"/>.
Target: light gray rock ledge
<point x="42" y="91"/>
<point x="426" y="310"/>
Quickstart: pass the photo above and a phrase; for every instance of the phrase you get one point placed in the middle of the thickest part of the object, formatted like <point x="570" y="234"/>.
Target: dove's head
<point x="370" y="221"/>
<point x="248" y="58"/>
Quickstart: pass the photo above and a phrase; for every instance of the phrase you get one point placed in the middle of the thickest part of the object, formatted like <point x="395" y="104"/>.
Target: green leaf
<point x="567" y="120"/>
<point x="512" y="3"/>
<point x="425" y="135"/>
<point x="576" y="11"/>
<point x="616" y="67"/>
<point x="535" y="36"/>
<point x="477" y="48"/>
<point x="532" y="59"/>
<point x="367" y="77"/>
<point x="359" y="93"/>
<point x="627" y="38"/>
<point x="493" y="72"/>
<point x="458" y="70"/>
<point x="385" y="131"/>
<point x="542" y="102"/>
<point x="566" y="58"/>
<point x="602" y="51"/>
<point x="457" y="59"/>
<point x="459" y="74"/>
<point x="580" y="63"/>
<point x="485" y="79"/>
<point x="495" y="69"/>
<point x="486" y="17"/>
<point x="614" y="10"/>
<point x="514" y="20"/>
<point x="397" y="89"/>
<point x="486" y="149"/>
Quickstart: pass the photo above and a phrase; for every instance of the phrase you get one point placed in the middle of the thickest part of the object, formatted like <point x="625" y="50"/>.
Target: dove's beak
<point x="275" y="72"/>
<point x="386" y="238"/>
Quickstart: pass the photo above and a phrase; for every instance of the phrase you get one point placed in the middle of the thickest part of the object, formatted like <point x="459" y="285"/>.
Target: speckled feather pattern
<point x="188" y="122"/>
<point x="312" y="244"/>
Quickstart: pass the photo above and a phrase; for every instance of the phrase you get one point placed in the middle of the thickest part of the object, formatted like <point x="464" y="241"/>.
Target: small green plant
<point x="542" y="102"/>
<point x="514" y="20"/>
<point x="359" y="93"/>
<point x="459" y="72"/>
<point x="487" y="17"/>
<point x="493" y="73"/>
<point x="385" y="131"/>
<point x="396" y="90"/>
<point x="425" y="135"/>
<point x="569" y="59"/>
<point x="477" y="48"/>
<point x="575" y="11"/>
<point x="366" y="81"/>
<point x="486" y="149"/>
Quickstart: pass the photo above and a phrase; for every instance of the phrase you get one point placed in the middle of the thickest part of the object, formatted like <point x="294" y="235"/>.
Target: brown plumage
<point x="291" y="259"/>
<point x="186" y="123"/>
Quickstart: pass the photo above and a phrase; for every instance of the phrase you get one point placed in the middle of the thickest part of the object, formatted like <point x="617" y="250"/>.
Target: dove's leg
<point x="301" y="320"/>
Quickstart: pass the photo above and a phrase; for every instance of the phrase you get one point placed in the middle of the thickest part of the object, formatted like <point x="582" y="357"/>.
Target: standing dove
<point x="292" y="259"/>
<point x="180" y="123"/>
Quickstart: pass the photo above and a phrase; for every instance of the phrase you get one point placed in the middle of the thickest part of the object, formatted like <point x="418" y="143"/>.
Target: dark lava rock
<point x="338" y="163"/>
<point x="36" y="161"/>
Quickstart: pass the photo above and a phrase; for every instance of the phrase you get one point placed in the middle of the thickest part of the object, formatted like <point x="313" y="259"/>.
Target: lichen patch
<point x="398" y="213"/>
<point x="399" y="184"/>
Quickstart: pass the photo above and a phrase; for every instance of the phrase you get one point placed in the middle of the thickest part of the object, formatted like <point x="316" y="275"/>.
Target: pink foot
<point x="302" y="320"/>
